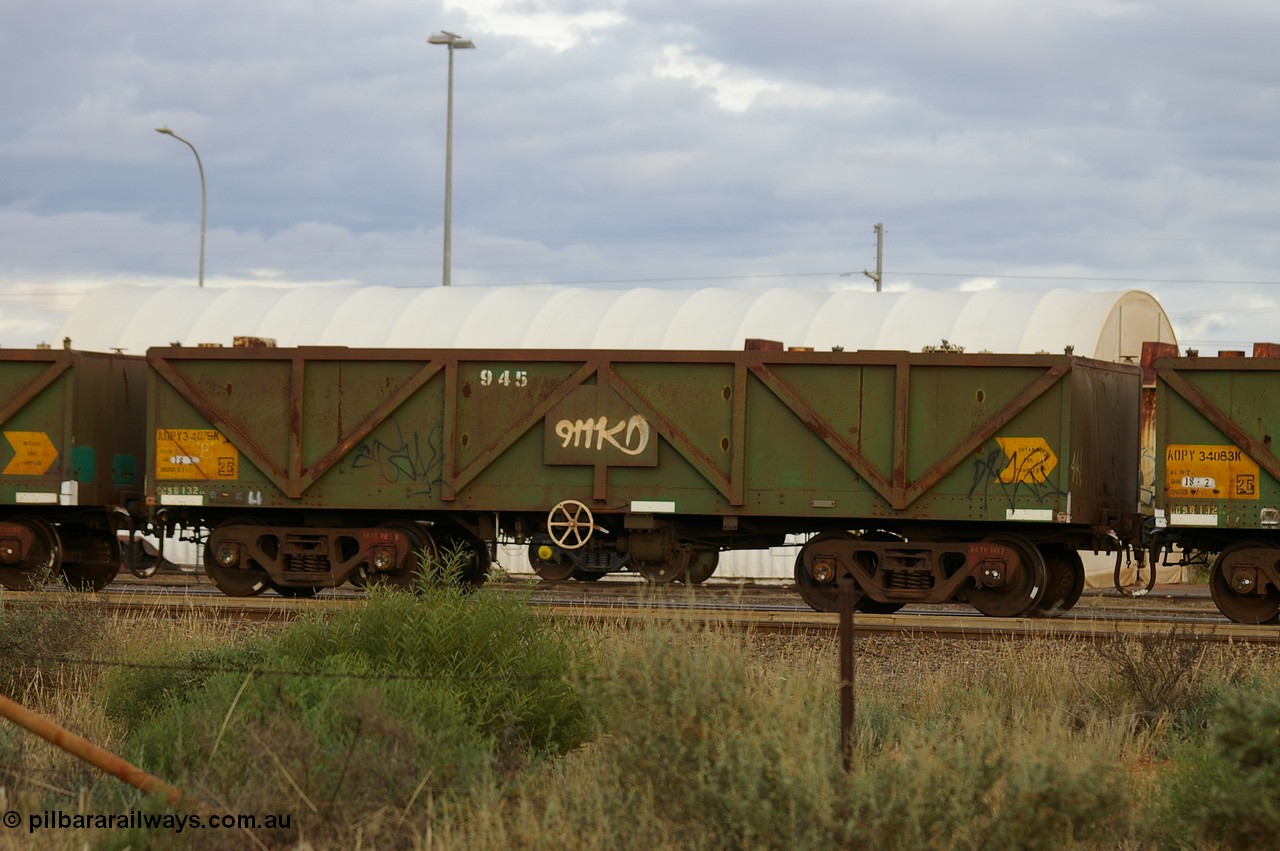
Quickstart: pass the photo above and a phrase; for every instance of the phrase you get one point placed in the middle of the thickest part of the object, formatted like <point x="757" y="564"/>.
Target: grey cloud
<point x="980" y="133"/>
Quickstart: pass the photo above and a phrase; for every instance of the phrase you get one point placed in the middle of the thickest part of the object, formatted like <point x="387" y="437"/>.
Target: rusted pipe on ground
<point x="85" y="750"/>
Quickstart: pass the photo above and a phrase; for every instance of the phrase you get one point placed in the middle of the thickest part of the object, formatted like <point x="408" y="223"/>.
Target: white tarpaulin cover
<point x="1106" y="325"/>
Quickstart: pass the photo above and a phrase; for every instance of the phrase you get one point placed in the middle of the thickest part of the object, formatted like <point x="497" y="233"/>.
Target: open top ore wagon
<point x="1218" y="474"/>
<point x="71" y="459"/>
<point x="929" y="477"/>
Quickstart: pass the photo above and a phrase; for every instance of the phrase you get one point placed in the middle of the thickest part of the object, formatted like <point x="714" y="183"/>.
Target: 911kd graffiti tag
<point x="634" y="433"/>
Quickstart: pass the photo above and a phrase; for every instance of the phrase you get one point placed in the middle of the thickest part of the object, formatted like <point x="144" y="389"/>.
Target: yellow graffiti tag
<point x="1030" y="460"/>
<point x="33" y="453"/>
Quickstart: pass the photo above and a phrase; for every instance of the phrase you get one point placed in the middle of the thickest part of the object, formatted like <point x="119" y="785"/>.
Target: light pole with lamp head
<point x="203" y="195"/>
<point x="454" y="42"/>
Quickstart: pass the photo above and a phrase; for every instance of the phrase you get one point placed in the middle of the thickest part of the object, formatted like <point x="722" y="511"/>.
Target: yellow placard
<point x="1198" y="471"/>
<point x="33" y="453"/>
<point x="1030" y="460"/>
<point x="195" y="454"/>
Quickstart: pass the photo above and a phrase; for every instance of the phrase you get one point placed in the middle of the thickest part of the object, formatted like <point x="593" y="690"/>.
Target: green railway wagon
<point x="1218" y="474"/>
<point x="71" y="459"/>
<point x="928" y="477"/>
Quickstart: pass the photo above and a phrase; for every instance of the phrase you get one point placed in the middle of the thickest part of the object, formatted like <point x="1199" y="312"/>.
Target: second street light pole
<point x="204" y="197"/>
<point x="454" y="42"/>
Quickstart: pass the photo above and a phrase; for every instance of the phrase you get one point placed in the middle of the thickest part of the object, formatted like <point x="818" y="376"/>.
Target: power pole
<point x="879" y="257"/>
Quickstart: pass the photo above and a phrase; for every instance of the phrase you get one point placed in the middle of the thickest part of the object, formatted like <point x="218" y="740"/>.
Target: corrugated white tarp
<point x="1109" y="326"/>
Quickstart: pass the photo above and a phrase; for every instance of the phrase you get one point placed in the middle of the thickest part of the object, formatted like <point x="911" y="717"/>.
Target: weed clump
<point x="1163" y="679"/>
<point x="373" y="717"/>
<point x="40" y="635"/>
<point x="1220" y="786"/>
<point x="705" y="747"/>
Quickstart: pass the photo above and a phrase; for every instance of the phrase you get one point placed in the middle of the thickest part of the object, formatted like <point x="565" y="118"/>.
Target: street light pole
<point x="204" y="197"/>
<point x="454" y="42"/>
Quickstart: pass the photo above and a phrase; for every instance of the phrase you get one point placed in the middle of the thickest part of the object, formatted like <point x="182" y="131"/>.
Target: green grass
<point x="456" y="720"/>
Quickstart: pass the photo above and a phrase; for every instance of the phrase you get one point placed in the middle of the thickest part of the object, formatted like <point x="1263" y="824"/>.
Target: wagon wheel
<point x="410" y="563"/>
<point x="665" y="572"/>
<point x="294" y="592"/>
<point x="1239" y="606"/>
<point x="822" y="596"/>
<point x="90" y="558"/>
<point x="1065" y="580"/>
<point x="570" y="524"/>
<point x="232" y="580"/>
<point x="702" y="564"/>
<point x="1018" y="594"/>
<point x="825" y="596"/>
<point x="140" y="563"/>
<point x="44" y="560"/>
<point x="548" y="564"/>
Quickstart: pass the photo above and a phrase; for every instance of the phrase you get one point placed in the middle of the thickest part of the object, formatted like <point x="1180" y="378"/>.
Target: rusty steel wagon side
<point x="928" y="477"/>
<point x="1218" y="474"/>
<point x="71" y="462"/>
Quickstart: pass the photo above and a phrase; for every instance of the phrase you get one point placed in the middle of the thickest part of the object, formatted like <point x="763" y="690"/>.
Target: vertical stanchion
<point x="846" y="670"/>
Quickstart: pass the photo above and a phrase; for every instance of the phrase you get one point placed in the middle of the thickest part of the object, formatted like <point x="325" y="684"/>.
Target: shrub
<point x="700" y="749"/>
<point x="1221" y="790"/>
<point x="709" y="746"/>
<point x="980" y="783"/>
<point x="378" y="710"/>
<point x="40" y="634"/>
<point x="1159" y="677"/>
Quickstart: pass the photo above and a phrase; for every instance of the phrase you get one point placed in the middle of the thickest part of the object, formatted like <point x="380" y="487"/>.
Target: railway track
<point x="1188" y="614"/>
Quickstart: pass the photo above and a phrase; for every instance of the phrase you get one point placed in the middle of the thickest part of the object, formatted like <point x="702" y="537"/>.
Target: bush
<point x="697" y="752"/>
<point x="708" y="745"/>
<point x="45" y="640"/>
<point x="718" y="763"/>
<point x="1162" y="678"/>
<point x="40" y="634"/>
<point x="370" y="713"/>
<point x="980" y="783"/>
<point x="1222" y="789"/>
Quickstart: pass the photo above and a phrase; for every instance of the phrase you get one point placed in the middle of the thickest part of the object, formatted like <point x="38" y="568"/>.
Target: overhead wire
<point x="712" y="237"/>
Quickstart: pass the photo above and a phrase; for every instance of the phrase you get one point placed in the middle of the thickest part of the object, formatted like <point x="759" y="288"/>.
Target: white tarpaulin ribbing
<point x="1106" y="325"/>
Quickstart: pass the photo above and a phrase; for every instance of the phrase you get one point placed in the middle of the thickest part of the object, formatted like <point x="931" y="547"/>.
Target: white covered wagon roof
<point x="1106" y="325"/>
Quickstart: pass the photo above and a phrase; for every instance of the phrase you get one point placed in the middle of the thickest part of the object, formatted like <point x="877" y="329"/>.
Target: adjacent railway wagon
<point x="1218" y="474"/>
<point x="71" y="463"/>
<point x="929" y="477"/>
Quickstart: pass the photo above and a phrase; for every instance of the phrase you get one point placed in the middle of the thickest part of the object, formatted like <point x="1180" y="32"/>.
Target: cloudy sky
<point x="1016" y="144"/>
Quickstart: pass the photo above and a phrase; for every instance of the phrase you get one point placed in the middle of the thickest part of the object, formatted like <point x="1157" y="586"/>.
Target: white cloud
<point x="543" y="23"/>
<point x="975" y="285"/>
<point x="735" y="91"/>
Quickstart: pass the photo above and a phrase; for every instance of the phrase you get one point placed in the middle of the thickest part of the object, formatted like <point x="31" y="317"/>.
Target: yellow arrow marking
<point x="33" y="454"/>
<point x="1030" y="460"/>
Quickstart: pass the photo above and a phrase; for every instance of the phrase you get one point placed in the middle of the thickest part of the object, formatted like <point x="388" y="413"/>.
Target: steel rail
<point x="1079" y="624"/>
